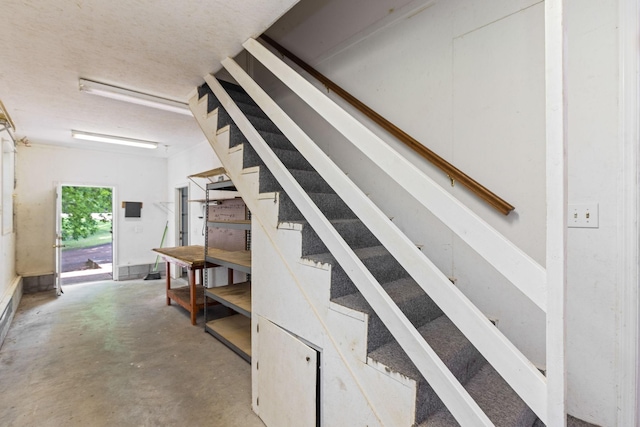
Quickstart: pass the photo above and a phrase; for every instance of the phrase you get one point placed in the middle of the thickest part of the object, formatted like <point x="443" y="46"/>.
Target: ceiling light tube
<point x="88" y="136"/>
<point x="139" y="98"/>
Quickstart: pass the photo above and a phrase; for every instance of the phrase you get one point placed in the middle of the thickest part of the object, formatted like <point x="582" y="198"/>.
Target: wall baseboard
<point x="132" y="272"/>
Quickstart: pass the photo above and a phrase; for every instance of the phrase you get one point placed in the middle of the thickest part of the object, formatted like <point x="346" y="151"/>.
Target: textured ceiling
<point x="159" y="47"/>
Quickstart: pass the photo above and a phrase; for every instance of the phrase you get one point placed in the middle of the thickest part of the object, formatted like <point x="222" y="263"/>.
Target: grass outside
<point x="102" y="236"/>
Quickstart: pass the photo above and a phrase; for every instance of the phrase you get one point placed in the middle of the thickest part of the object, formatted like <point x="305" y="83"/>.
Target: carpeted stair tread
<point x="457" y="353"/>
<point x="277" y="140"/>
<point x="331" y="205"/>
<point x="291" y="159"/>
<point x="250" y="109"/>
<point x="494" y="396"/>
<point x="380" y="263"/>
<point x="236" y="92"/>
<point x="310" y="181"/>
<point x="353" y="231"/>
<point x="258" y="123"/>
<point x="263" y="124"/>
<point x="204" y="90"/>
<point x="407" y="295"/>
<point x="445" y="339"/>
<point x="571" y="422"/>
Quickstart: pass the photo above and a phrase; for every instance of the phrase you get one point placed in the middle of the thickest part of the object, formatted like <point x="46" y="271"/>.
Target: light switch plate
<point x="583" y="215"/>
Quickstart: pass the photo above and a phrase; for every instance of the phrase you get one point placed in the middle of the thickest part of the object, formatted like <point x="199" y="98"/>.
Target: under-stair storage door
<point x="288" y="377"/>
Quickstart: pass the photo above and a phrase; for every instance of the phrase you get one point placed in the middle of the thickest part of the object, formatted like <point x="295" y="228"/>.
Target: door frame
<point x="178" y="272"/>
<point x="58" y="229"/>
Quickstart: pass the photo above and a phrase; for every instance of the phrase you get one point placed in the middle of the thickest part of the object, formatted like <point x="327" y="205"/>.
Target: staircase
<point x="494" y="396"/>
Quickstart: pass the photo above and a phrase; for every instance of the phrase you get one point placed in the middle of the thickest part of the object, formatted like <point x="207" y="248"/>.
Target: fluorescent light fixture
<point x="133" y="97"/>
<point x="88" y="136"/>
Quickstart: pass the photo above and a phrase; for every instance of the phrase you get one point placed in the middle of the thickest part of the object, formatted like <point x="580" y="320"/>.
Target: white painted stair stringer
<point x="353" y="392"/>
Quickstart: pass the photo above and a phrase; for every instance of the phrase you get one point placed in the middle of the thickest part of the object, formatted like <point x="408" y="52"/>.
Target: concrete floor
<point x="113" y="354"/>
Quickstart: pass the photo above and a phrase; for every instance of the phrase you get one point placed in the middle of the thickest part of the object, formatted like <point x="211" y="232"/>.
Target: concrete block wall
<point x="41" y="283"/>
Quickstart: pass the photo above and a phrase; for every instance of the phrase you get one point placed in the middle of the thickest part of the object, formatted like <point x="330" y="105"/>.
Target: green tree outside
<point x="84" y="208"/>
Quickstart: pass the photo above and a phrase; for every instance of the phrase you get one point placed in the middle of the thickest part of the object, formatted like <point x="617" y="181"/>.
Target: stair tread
<point x="494" y="396"/>
<point x="362" y="253"/>
<point x="329" y="203"/>
<point x="441" y="334"/>
<point x="400" y="290"/>
<point x="309" y="180"/>
<point x="345" y="221"/>
<point x="276" y="139"/>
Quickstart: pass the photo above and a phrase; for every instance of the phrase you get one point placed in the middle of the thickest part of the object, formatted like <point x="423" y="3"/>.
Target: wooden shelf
<point x="223" y="223"/>
<point x="209" y="173"/>
<point x="182" y="297"/>
<point x="227" y="185"/>
<point x="235" y="332"/>
<point x="238" y="224"/>
<point x="238" y="260"/>
<point x="236" y="296"/>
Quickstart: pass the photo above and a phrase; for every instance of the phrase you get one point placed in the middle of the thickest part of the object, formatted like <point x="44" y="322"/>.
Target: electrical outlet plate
<point x="583" y="215"/>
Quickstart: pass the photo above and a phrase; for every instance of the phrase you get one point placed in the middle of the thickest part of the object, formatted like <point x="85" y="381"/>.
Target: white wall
<point x="467" y="79"/>
<point x="197" y="159"/>
<point x="135" y="178"/>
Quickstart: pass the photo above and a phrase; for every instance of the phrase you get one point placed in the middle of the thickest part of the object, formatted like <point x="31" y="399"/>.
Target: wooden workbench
<point x="191" y="258"/>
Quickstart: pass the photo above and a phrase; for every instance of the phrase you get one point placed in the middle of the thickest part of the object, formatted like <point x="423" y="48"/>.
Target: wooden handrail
<point x="452" y="172"/>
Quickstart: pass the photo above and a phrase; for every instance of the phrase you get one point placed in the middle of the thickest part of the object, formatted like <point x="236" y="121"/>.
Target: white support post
<point x="556" y="132"/>
<point x="628" y="233"/>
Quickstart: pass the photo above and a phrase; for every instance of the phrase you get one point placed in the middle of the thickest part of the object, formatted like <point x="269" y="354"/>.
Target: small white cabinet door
<point x="287" y="377"/>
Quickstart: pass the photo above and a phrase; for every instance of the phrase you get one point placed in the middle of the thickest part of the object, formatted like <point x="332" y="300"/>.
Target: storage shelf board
<point x="222" y="185"/>
<point x="236" y="296"/>
<point x="237" y="260"/>
<point x="209" y="173"/>
<point x="239" y="224"/>
<point x="182" y="296"/>
<point x="234" y="332"/>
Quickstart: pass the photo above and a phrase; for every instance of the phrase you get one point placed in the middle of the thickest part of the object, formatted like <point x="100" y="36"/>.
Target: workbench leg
<point x="168" y="282"/>
<point x="192" y="295"/>
<point x="230" y="276"/>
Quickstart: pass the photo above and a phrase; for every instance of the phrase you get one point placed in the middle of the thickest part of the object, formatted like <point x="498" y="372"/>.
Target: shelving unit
<point x="216" y="176"/>
<point x="235" y="330"/>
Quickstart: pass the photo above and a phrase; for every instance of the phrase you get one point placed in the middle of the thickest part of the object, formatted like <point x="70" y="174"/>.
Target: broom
<point x="155" y="274"/>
